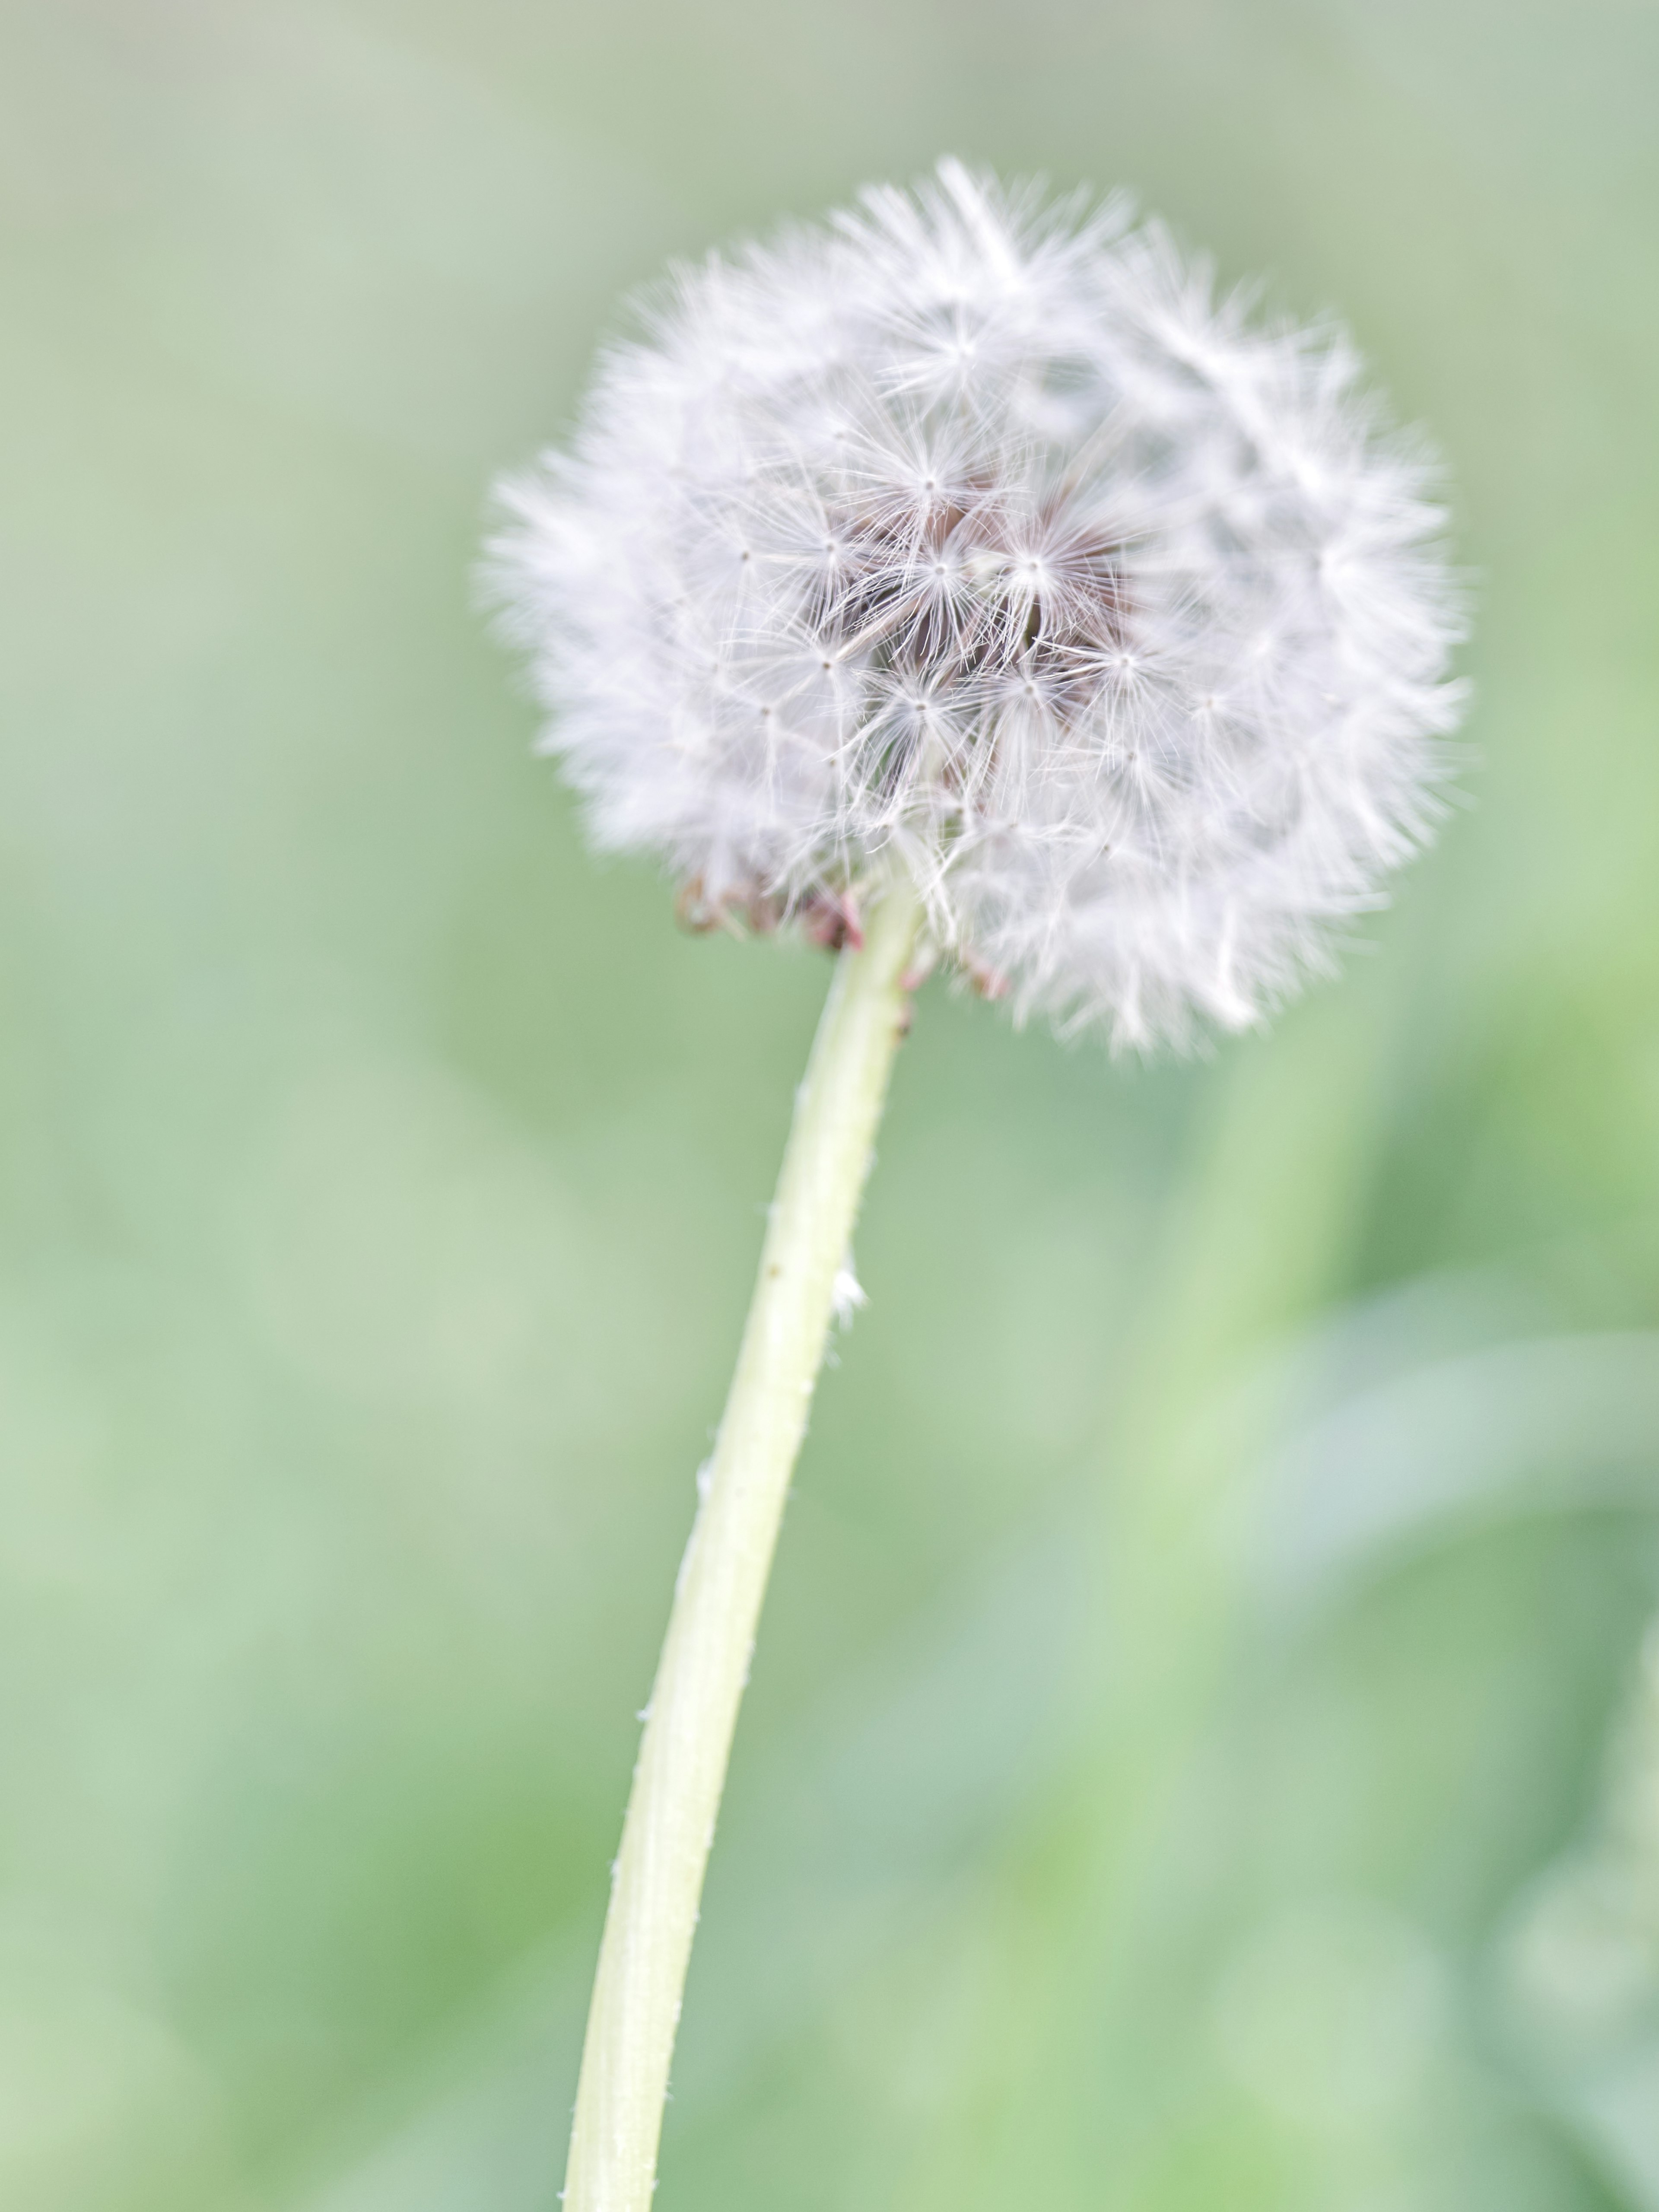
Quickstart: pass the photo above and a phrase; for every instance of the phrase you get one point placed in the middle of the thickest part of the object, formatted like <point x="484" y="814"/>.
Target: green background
<point x="1200" y="1751"/>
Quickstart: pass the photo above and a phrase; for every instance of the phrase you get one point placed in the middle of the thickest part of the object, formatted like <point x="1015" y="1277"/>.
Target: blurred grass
<point x="380" y="1183"/>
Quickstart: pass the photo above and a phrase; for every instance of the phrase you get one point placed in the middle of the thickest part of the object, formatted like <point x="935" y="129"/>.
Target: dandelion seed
<point x="1017" y="504"/>
<point x="847" y="1294"/>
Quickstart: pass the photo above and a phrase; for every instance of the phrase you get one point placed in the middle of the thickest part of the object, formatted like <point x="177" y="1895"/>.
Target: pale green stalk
<point x="657" y="1878"/>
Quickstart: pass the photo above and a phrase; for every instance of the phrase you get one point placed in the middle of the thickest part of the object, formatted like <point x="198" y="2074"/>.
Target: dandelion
<point x="962" y="581"/>
<point x="966" y="540"/>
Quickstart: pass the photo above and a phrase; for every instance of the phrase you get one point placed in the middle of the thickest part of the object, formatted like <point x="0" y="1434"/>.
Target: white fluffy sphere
<point x="968" y="534"/>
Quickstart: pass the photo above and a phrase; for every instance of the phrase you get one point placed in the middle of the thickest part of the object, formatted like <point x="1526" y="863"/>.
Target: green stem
<point x="657" y="1878"/>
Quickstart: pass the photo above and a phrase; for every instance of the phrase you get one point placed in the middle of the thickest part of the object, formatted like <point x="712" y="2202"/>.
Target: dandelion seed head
<point x="971" y="534"/>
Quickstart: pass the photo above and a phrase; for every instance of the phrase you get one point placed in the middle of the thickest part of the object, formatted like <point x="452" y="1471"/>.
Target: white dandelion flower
<point x="970" y="534"/>
<point x="962" y="566"/>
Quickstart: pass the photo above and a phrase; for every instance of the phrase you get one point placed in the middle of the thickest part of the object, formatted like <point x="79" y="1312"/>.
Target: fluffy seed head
<point x="969" y="535"/>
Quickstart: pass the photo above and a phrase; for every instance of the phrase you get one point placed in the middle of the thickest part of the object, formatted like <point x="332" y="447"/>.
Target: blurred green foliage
<point x="1202" y="1752"/>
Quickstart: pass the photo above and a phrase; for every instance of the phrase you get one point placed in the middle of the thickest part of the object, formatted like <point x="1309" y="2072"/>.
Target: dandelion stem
<point x="657" y="1878"/>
